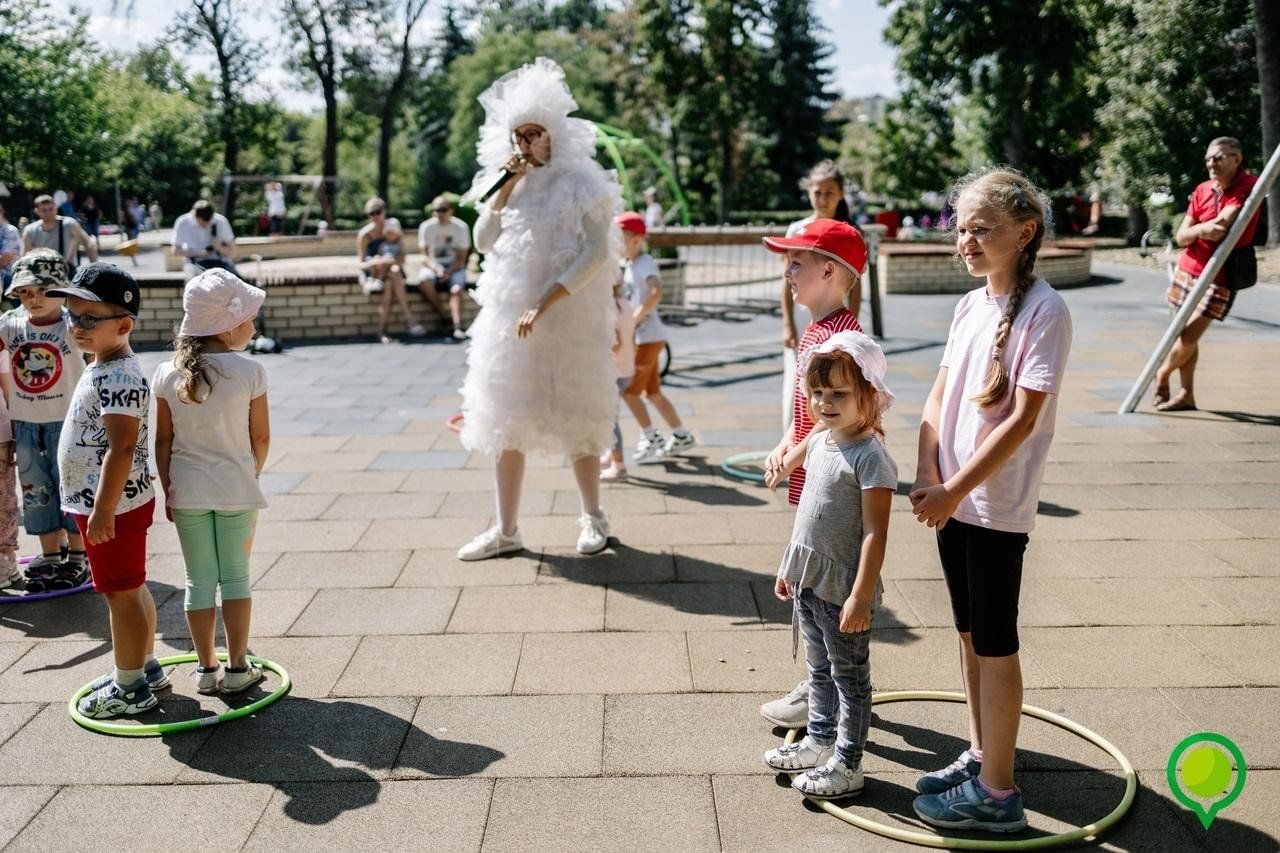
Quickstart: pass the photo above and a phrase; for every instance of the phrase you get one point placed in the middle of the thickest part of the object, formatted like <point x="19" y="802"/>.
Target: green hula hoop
<point x="107" y="727"/>
<point x="947" y="843"/>
<point x="730" y="465"/>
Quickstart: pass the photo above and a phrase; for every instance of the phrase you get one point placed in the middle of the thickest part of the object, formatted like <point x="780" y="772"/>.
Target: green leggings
<point x="215" y="546"/>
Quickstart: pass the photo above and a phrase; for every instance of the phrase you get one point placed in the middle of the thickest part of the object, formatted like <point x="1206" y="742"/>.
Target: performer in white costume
<point x="540" y="374"/>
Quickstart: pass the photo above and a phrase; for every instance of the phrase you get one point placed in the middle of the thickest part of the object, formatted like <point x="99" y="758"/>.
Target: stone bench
<point x="906" y="267"/>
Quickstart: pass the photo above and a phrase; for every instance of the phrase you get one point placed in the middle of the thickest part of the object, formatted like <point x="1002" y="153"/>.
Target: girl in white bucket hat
<point x="212" y="436"/>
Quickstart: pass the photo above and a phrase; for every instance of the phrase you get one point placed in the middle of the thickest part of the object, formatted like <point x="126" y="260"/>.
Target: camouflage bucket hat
<point x="39" y="268"/>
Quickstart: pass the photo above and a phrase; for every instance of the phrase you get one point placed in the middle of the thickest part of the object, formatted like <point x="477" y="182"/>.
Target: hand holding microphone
<point x="512" y="171"/>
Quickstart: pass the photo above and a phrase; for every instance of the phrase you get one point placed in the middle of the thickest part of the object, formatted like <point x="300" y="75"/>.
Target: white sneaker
<point x="491" y="543"/>
<point x="595" y="533"/>
<point x="648" y="451"/>
<point x="9" y="572"/>
<point x="804" y="754"/>
<point x="792" y="710"/>
<point x="238" y="682"/>
<point x="207" y="681"/>
<point x="830" y="781"/>
<point x="417" y="330"/>
<point x="459" y="335"/>
<point x="676" y="444"/>
<point x="613" y="473"/>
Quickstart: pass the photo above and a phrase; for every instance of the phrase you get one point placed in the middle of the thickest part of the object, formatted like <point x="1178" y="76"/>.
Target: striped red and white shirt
<point x="841" y="320"/>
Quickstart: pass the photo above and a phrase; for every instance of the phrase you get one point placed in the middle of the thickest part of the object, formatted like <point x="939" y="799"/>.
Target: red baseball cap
<point x="631" y="221"/>
<point x="838" y="240"/>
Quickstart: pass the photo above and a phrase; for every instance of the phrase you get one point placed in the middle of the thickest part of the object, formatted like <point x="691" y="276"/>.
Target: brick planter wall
<point x="933" y="268"/>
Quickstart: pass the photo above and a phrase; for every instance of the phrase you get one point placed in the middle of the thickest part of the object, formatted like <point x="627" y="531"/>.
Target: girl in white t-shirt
<point x="212" y="436"/>
<point x="984" y="439"/>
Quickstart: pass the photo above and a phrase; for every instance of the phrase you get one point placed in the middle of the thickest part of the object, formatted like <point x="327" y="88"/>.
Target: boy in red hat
<point x="643" y="288"/>
<point x="825" y="261"/>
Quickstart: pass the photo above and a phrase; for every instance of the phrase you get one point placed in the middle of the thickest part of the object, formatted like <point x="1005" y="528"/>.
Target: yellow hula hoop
<point x="947" y="843"/>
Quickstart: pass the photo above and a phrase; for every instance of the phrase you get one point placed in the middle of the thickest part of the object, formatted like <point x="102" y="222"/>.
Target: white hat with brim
<point x="868" y="356"/>
<point x="216" y="301"/>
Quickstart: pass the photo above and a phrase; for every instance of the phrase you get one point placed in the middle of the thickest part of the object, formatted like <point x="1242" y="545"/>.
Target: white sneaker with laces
<point x="238" y="682"/>
<point x="207" y="680"/>
<point x="459" y="335"/>
<point x="595" y="533"/>
<point x="830" y="781"/>
<point x="648" y="451"/>
<point x="676" y="444"/>
<point x="804" y="754"/>
<point x="792" y="710"/>
<point x="491" y="543"/>
<point x="9" y="571"/>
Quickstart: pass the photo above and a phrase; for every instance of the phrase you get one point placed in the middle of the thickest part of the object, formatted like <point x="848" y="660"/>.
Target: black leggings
<point x="983" y="570"/>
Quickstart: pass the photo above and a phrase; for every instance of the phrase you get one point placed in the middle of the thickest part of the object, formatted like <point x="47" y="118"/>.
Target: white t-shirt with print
<point x="1035" y="357"/>
<point x="45" y="363"/>
<point x="212" y="464"/>
<point x="635" y="284"/>
<point x="442" y="242"/>
<point x="114" y="388"/>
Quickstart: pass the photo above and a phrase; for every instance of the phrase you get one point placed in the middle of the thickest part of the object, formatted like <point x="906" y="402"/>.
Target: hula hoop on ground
<point x="454" y="422"/>
<point x="949" y="843"/>
<point x="107" y="727"/>
<point x="30" y="597"/>
<point x="730" y="465"/>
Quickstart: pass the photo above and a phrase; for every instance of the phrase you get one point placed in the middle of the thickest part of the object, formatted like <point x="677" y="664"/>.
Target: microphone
<point x="506" y="175"/>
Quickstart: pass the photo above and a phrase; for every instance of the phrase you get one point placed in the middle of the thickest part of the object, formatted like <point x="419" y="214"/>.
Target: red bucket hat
<point x="838" y="240"/>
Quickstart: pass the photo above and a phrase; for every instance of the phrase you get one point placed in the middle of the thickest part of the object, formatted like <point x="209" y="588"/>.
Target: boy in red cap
<point x="825" y="261"/>
<point x="643" y="288"/>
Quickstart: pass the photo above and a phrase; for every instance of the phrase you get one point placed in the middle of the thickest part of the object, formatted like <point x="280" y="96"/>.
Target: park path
<point x="552" y="702"/>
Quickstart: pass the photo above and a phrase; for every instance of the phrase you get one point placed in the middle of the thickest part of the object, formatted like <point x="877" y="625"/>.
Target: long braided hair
<point x="1008" y="191"/>
<point x="193" y="368"/>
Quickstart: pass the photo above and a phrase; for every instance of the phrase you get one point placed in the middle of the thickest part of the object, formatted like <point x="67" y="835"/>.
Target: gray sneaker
<point x="963" y="769"/>
<point x="792" y="710"/>
<point x="156" y="678"/>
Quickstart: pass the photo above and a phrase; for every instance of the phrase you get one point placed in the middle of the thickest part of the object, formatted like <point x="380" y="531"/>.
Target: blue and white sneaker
<point x="968" y="806"/>
<point x="156" y="678"/>
<point x="963" y="769"/>
<point x="114" y="700"/>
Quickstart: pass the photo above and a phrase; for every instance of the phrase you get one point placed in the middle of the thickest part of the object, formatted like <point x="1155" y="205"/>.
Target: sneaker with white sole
<point x="831" y="781"/>
<point x="112" y="700"/>
<point x="676" y="444"/>
<point x="648" y="451"/>
<point x="207" y="680"/>
<point x="802" y="755"/>
<point x="491" y="543"/>
<point x="153" y="673"/>
<point x="969" y="806"/>
<point x="240" y="680"/>
<point x="9" y="571"/>
<point x="417" y="330"/>
<point x="42" y="567"/>
<point x="792" y="710"/>
<point x="595" y="533"/>
<point x="963" y="769"/>
<point x="459" y="335"/>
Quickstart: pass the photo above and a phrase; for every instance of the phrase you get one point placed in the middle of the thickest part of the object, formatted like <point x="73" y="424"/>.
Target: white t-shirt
<point x="442" y="242"/>
<point x="6" y="425"/>
<point x="191" y="236"/>
<point x="115" y="388"/>
<point x="1036" y="357"/>
<point x="653" y="215"/>
<point x="635" y="284"/>
<point x="45" y="367"/>
<point x="275" y="202"/>
<point x="212" y="464"/>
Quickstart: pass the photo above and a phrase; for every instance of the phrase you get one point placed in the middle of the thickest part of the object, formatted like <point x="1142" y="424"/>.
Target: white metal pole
<point x="1251" y="205"/>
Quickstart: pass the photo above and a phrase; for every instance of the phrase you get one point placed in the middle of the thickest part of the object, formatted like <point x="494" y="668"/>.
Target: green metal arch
<point x="612" y="140"/>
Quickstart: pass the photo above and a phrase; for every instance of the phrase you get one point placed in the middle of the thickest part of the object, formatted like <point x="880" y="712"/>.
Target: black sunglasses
<point x="89" y="322"/>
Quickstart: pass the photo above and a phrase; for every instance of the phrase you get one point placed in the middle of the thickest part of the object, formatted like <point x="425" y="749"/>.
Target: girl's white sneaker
<point x="238" y="682"/>
<point x="207" y="680"/>
<point x="831" y="781"/>
<point x="801" y="755"/>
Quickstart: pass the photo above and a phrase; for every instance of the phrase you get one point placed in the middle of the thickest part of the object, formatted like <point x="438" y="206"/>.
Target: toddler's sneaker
<point x="676" y="444"/>
<point x="831" y="781"/>
<point x="207" y="679"/>
<point x="595" y="533"/>
<point x="9" y="572"/>
<point x="240" y="680"/>
<point x="792" y="710"/>
<point x="804" y="754"/>
<point x="968" y="806"/>
<point x="112" y="700"/>
<point x="611" y="473"/>
<point x="963" y="769"/>
<point x="68" y="575"/>
<point x="153" y="674"/>
<point x="491" y="543"/>
<point x="42" y="566"/>
<point x="648" y="450"/>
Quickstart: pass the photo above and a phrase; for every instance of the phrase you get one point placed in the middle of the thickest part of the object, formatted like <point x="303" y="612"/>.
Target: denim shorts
<point x="37" y="452"/>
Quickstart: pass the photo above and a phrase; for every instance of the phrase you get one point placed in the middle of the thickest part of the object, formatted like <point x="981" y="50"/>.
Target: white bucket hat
<point x="868" y="356"/>
<point x="216" y="301"/>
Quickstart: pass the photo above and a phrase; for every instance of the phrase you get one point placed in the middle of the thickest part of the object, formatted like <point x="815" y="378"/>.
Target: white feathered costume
<point x="555" y="389"/>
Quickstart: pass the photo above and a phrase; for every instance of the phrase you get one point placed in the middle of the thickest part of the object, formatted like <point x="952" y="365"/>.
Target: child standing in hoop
<point x="984" y="438"/>
<point x="212" y="437"/>
<point x="831" y="569"/>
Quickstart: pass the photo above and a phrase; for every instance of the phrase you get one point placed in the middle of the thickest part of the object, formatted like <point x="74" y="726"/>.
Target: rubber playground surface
<point x="548" y="701"/>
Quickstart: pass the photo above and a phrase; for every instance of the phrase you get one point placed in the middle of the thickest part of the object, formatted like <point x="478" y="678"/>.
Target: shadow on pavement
<point x="299" y="742"/>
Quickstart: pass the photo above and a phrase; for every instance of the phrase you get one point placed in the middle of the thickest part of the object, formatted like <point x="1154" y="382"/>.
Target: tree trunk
<point x="1137" y="224"/>
<point x="330" y="149"/>
<point x="1266" y="15"/>
<point x="1015" y="138"/>
<point x="387" y="131"/>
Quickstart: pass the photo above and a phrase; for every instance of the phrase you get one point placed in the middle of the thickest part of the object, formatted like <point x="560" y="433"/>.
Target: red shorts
<point x="120" y="563"/>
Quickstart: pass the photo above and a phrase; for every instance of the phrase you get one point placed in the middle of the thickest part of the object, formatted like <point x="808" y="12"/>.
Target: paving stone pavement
<point x="552" y="702"/>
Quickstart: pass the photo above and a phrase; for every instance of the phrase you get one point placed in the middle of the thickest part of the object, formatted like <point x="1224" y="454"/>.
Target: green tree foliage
<point x="914" y="148"/>
<point x="1173" y="83"/>
<point x="432" y="105"/>
<point x="1025" y="62"/>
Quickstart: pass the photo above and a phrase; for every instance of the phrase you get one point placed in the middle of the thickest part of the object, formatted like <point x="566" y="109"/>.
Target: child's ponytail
<point x="193" y="368"/>
<point x="1008" y="191"/>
